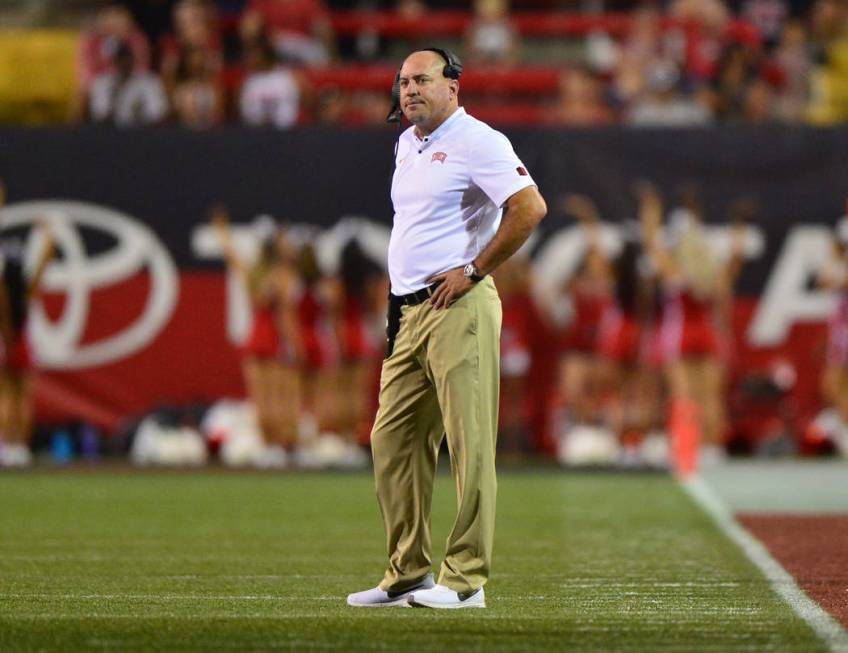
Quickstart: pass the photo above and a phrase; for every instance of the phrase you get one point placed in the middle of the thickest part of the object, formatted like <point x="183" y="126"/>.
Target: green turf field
<point x="215" y="561"/>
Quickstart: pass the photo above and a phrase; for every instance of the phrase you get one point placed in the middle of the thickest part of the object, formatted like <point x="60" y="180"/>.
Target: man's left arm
<point x="524" y="210"/>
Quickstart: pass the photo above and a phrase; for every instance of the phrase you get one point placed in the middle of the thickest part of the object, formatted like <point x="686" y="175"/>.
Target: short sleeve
<point x="496" y="168"/>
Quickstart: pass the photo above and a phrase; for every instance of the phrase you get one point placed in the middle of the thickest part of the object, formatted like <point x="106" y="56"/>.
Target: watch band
<point x="471" y="273"/>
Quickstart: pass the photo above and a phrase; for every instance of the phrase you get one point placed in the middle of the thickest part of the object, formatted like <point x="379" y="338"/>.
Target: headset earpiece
<point x="453" y="66"/>
<point x="395" y="112"/>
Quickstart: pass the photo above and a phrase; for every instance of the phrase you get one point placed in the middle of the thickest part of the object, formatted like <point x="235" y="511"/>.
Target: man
<point x="127" y="97"/>
<point x="453" y="176"/>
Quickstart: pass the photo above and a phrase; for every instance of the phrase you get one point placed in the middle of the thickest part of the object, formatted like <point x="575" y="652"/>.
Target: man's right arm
<point x="524" y="211"/>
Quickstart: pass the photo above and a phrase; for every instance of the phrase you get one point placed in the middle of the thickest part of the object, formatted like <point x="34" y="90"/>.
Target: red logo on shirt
<point x="521" y="171"/>
<point x="438" y="156"/>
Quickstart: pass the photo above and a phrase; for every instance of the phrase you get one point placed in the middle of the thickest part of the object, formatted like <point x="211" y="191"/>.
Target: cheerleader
<point x="693" y="283"/>
<point x="273" y="349"/>
<point x="318" y="312"/>
<point x="625" y="345"/>
<point x="359" y="288"/>
<point x="834" y="383"/>
<point x="590" y="292"/>
<point x="17" y="291"/>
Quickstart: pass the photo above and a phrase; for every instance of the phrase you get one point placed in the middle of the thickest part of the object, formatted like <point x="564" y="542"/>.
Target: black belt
<point x="394" y="316"/>
<point x="417" y="297"/>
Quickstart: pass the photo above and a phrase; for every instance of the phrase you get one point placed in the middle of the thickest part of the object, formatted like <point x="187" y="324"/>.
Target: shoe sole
<point x="444" y="606"/>
<point x="400" y="602"/>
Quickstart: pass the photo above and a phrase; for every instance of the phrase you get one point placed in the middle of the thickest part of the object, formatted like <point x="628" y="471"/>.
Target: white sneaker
<point x="273" y="457"/>
<point x="377" y="598"/>
<point x="444" y="597"/>
<point x="15" y="455"/>
<point x="354" y="457"/>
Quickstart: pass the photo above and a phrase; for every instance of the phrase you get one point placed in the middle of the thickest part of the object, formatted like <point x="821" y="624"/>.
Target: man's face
<point x="426" y="95"/>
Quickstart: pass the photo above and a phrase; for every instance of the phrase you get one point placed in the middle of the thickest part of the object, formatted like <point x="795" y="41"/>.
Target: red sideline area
<point x="814" y="549"/>
<point x="192" y="360"/>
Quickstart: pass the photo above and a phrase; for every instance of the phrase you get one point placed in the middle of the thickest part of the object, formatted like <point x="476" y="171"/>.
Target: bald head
<point x="427" y="97"/>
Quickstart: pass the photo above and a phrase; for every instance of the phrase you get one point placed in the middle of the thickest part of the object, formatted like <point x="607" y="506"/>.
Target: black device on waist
<point x="395" y="304"/>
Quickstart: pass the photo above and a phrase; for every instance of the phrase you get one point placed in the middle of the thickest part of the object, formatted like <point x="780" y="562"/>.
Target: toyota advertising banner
<point x="137" y="309"/>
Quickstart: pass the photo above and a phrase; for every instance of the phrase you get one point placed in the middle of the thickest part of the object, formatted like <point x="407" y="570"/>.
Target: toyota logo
<point x="76" y="274"/>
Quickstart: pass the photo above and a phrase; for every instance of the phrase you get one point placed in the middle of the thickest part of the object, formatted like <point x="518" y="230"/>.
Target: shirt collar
<point x="441" y="129"/>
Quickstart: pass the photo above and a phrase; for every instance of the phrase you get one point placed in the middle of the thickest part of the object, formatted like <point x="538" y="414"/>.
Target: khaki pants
<point x="442" y="378"/>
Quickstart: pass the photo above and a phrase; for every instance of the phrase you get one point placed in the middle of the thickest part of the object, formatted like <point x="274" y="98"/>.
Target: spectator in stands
<point x="300" y="30"/>
<point x="644" y="45"/>
<point x="737" y="72"/>
<point x="792" y="58"/>
<point x="759" y="103"/>
<point x="152" y="16"/>
<point x="581" y="100"/>
<point x="366" y="108"/>
<point x="195" y="29"/>
<point x="707" y="28"/>
<point x="197" y="98"/>
<point x="663" y="105"/>
<point x="767" y="17"/>
<point x="330" y="106"/>
<point x="271" y="93"/>
<point x="491" y="38"/>
<point x="113" y="27"/>
<point x="829" y="78"/>
<point x="127" y="97"/>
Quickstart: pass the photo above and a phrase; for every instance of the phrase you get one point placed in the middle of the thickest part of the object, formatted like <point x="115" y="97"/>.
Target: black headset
<point x="452" y="70"/>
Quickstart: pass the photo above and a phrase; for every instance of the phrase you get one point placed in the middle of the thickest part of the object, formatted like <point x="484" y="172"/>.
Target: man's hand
<point x="453" y="284"/>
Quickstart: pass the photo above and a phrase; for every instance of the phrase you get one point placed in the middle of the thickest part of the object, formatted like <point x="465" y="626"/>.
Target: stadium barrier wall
<point x="137" y="310"/>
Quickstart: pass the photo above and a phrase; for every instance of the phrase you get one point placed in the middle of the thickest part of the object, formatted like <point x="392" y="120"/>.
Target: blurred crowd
<point x="680" y="63"/>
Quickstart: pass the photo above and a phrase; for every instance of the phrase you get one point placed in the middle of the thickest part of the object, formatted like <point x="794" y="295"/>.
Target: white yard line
<point x="823" y="624"/>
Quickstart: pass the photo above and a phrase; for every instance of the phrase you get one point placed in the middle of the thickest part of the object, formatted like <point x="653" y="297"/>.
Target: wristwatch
<point x="471" y="273"/>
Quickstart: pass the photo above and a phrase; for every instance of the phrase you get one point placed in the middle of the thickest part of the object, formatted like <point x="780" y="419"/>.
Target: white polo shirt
<point x="447" y="191"/>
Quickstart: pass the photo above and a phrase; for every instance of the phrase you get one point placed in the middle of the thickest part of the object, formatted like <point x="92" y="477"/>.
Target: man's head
<point x="427" y="97"/>
<point x="124" y="59"/>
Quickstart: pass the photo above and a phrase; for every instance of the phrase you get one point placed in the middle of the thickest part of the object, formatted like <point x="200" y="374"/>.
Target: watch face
<point x="469" y="270"/>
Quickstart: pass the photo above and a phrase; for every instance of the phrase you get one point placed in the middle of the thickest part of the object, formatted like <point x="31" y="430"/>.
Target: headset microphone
<point x="395" y="114"/>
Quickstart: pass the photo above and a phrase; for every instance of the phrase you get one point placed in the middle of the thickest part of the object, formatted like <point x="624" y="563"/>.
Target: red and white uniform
<point x="688" y="326"/>
<point x="516" y="335"/>
<point x="620" y="336"/>
<point x="837" y="340"/>
<point x="316" y="332"/>
<point x="264" y="340"/>
<point x="357" y="342"/>
<point x="17" y="358"/>
<point x="589" y="309"/>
